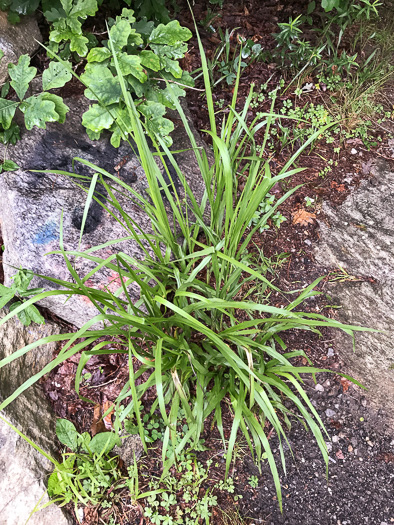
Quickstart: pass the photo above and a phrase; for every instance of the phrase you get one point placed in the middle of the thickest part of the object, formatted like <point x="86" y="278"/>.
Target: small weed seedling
<point x="85" y="474"/>
<point x="19" y="289"/>
<point x="253" y="482"/>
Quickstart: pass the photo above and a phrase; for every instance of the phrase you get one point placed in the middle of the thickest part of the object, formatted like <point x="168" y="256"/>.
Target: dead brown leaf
<point x="90" y="516"/>
<point x="108" y="417"/>
<point x="303" y="217"/>
<point x="97" y="425"/>
<point x="345" y="384"/>
<point x="338" y="187"/>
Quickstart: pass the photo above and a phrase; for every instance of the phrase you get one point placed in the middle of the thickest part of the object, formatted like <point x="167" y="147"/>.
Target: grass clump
<point x="193" y="334"/>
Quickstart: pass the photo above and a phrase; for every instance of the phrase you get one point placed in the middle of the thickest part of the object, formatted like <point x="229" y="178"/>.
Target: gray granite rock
<point x="22" y="487"/>
<point x="31" y="205"/>
<point x="31" y="409"/>
<point x="16" y="40"/>
<point x="359" y="237"/>
<point x="23" y="471"/>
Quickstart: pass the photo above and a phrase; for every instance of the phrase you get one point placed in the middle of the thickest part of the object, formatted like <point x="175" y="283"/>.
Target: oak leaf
<point x="303" y="217"/>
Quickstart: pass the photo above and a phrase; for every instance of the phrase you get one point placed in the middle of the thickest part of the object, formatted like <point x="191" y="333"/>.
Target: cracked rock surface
<point x="358" y="236"/>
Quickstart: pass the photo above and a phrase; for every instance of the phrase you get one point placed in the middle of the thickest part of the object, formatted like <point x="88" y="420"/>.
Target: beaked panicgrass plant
<point x="185" y="331"/>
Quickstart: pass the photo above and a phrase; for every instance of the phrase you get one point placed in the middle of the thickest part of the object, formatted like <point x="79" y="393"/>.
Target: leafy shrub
<point x="146" y="55"/>
<point x="187" y="331"/>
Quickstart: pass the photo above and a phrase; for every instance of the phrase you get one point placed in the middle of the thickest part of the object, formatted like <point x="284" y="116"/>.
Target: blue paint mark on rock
<point x="46" y="234"/>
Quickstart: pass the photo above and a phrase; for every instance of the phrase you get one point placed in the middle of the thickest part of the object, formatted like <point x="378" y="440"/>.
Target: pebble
<point x="350" y="448"/>
<point x="319" y="388"/>
<point x="335" y="439"/>
<point x="370" y="443"/>
<point x="308" y="242"/>
<point x="353" y="151"/>
<point x="329" y="446"/>
<point x="330" y="413"/>
<point x="330" y="352"/>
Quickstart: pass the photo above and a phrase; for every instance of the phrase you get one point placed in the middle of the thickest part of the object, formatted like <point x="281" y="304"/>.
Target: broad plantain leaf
<point x="103" y="442"/>
<point x="9" y="165"/>
<point x="6" y="294"/>
<point x="67" y="433"/>
<point x="21" y="75"/>
<point x="34" y="315"/>
<point x="55" y="76"/>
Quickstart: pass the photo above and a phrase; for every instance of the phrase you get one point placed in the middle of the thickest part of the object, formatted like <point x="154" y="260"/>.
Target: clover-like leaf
<point x="7" y="112"/>
<point x="21" y="74"/>
<point x="97" y="118"/>
<point x="55" y="76"/>
<point x="53" y="14"/>
<point x="102" y="84"/>
<point x="38" y="112"/>
<point x="170" y="34"/>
